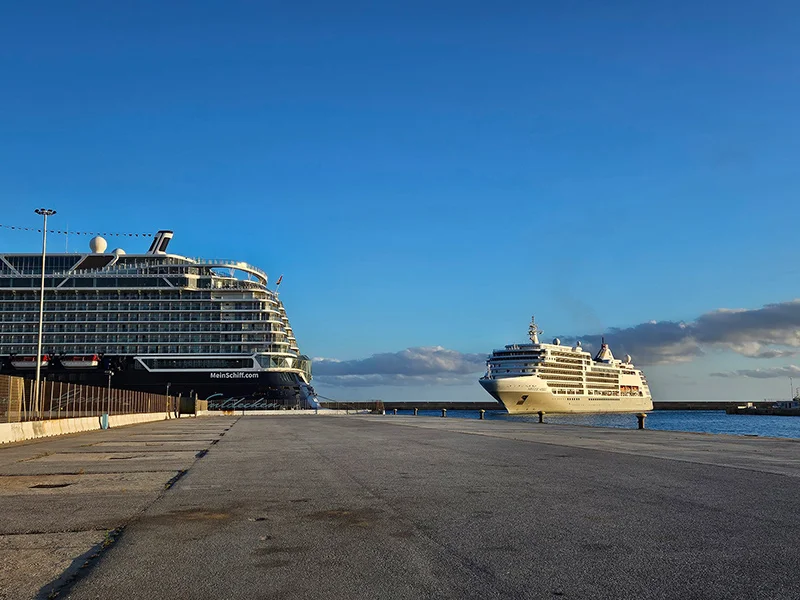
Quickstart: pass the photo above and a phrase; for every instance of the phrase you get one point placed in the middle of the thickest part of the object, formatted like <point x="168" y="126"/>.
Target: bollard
<point x="541" y="416"/>
<point x="444" y="412"/>
<point x="394" y="411"/>
<point x="415" y="412"/>
<point x="482" y="413"/>
<point x="641" y="417"/>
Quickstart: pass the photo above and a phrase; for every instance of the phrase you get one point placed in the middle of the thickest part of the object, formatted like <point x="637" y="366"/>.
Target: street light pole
<point x="44" y="212"/>
<point x="110" y="374"/>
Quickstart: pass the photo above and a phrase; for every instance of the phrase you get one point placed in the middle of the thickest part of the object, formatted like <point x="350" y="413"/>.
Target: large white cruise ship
<point x="528" y="378"/>
<point x="153" y="322"/>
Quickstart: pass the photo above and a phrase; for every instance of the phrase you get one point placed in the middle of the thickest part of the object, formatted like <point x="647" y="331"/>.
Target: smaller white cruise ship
<point x="528" y="378"/>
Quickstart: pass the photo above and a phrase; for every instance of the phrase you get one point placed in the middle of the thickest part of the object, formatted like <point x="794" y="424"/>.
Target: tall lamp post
<point x="110" y="374"/>
<point x="44" y="212"/>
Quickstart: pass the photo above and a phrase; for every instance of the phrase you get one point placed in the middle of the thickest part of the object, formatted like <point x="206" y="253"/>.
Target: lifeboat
<point x="28" y="362"/>
<point x="86" y="361"/>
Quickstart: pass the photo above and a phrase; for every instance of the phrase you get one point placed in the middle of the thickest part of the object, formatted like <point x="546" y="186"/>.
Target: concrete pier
<point x="401" y="507"/>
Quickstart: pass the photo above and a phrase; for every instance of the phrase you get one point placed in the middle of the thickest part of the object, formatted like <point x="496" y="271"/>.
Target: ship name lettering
<point x="233" y="375"/>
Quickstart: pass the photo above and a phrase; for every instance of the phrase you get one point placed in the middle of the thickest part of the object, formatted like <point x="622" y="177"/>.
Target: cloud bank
<point x="427" y="365"/>
<point x="772" y="331"/>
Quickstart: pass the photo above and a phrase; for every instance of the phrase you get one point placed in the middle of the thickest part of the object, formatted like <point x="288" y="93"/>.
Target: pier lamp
<point x="110" y="373"/>
<point x="44" y="212"/>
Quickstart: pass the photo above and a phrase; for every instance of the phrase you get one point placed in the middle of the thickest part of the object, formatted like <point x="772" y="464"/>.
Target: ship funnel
<point x="604" y="354"/>
<point x="160" y="242"/>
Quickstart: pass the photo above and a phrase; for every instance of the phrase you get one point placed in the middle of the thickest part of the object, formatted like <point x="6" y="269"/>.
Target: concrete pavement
<point x="422" y="507"/>
<point x="61" y="499"/>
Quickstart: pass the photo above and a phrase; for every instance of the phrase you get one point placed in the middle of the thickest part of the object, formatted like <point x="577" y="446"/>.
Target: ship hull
<point x="530" y="395"/>
<point x="224" y="390"/>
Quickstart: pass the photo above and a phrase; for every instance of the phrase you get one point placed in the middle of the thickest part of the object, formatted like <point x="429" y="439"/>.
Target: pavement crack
<point x="79" y="568"/>
<point x="173" y="480"/>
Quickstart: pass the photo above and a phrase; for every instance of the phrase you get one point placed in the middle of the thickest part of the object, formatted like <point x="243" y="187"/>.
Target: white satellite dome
<point x="557" y="341"/>
<point x="628" y="358"/>
<point x="98" y="244"/>
<point x="118" y="252"/>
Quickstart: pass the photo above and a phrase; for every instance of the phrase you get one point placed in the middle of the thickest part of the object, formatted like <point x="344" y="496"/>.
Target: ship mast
<point x="534" y="331"/>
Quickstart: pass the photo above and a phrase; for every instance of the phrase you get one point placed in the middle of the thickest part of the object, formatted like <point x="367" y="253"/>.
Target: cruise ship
<point x="553" y="378"/>
<point x="154" y="322"/>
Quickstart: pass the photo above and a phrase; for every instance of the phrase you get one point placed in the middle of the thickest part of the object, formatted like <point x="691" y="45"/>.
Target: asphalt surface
<point x="62" y="498"/>
<point x="424" y="507"/>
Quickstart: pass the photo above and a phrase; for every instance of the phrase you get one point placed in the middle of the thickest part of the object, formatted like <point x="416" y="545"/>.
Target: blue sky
<point x="431" y="174"/>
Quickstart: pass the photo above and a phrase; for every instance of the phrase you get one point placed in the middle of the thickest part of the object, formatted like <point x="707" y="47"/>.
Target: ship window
<point x="199" y="363"/>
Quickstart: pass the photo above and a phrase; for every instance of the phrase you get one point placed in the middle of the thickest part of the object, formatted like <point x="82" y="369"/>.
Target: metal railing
<point x="144" y="267"/>
<point x="65" y="400"/>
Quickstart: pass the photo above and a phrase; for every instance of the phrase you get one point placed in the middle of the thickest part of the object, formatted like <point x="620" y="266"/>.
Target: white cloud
<point x="772" y="331"/>
<point x="428" y="365"/>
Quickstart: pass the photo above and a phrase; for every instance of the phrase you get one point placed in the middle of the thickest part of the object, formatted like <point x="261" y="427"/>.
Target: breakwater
<point x="703" y="405"/>
<point x="492" y="405"/>
<point x="410" y="405"/>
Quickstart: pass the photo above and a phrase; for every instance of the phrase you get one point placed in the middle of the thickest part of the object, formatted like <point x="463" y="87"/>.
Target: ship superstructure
<point x="528" y="378"/>
<point x="153" y="322"/>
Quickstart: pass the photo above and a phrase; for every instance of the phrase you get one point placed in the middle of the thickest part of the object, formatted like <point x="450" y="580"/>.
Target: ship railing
<point x="133" y="268"/>
<point x="225" y="284"/>
<point x="238" y="285"/>
<point x="229" y="264"/>
<point x="143" y="265"/>
<point x="163" y="261"/>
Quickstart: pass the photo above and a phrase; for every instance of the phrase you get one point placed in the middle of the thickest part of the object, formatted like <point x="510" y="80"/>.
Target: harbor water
<point x="699" y="421"/>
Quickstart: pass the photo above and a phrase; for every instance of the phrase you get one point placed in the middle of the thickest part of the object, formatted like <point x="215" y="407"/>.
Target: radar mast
<point x="534" y="331"/>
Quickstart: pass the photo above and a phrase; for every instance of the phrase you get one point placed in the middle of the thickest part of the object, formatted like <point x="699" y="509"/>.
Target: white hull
<point x="529" y="395"/>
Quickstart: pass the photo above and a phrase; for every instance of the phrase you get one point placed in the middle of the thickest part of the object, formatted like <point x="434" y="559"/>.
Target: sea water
<point x="701" y="421"/>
